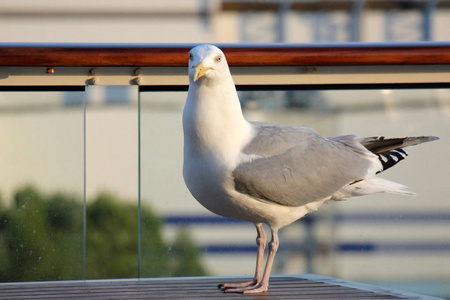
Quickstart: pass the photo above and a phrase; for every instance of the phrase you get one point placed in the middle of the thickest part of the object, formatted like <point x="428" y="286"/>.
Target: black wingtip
<point x="390" y="158"/>
<point x="379" y="145"/>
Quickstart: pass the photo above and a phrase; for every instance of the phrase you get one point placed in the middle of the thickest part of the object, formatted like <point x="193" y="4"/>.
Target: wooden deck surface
<point x="281" y="287"/>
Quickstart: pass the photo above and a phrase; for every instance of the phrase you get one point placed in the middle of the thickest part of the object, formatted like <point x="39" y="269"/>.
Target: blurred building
<point x="226" y="21"/>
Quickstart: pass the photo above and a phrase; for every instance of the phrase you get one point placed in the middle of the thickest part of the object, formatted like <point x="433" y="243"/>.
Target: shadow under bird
<point x="268" y="173"/>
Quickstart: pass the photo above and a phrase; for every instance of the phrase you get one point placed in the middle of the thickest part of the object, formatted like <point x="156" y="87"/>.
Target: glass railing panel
<point x="111" y="182"/>
<point x="167" y="250"/>
<point x="42" y="186"/>
<point x="357" y="239"/>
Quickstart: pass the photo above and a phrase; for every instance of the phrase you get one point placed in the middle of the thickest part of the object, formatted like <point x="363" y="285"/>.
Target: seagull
<point x="266" y="173"/>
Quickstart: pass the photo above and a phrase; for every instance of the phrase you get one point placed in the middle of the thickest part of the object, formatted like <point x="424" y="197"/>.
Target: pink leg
<point x="261" y="242"/>
<point x="263" y="285"/>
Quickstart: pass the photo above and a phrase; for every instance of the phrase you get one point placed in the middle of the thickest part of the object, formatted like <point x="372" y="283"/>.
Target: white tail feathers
<point x="380" y="185"/>
<point x="371" y="186"/>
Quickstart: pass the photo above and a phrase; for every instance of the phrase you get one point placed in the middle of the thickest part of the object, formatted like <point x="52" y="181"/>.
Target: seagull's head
<point x="206" y="62"/>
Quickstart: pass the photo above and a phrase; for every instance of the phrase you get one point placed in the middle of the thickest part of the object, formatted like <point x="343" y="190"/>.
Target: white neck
<point x="212" y="119"/>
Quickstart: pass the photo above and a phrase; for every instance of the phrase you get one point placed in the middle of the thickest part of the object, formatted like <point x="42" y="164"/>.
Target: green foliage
<point x="155" y="252"/>
<point x="35" y="247"/>
<point x="186" y="256"/>
<point x="111" y="238"/>
<point x="41" y="238"/>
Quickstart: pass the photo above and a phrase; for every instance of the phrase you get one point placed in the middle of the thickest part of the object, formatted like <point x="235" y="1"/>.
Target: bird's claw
<point x="243" y="288"/>
<point x="246" y="290"/>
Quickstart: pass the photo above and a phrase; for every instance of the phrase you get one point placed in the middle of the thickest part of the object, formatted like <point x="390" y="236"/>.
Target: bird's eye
<point x="190" y="55"/>
<point x="218" y="58"/>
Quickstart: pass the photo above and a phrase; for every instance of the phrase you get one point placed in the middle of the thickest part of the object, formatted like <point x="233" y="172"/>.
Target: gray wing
<point x="298" y="166"/>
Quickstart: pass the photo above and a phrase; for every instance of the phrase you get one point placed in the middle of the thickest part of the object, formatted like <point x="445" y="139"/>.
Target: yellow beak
<point x="200" y="71"/>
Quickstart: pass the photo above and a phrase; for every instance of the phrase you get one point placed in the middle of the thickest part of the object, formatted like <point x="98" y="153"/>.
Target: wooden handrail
<point x="175" y="55"/>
